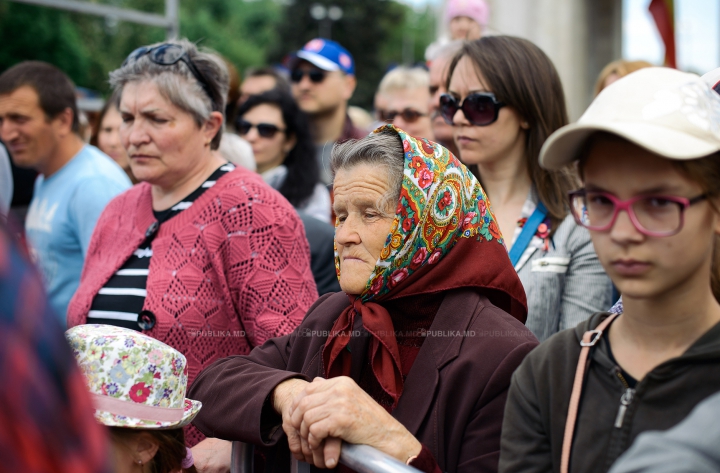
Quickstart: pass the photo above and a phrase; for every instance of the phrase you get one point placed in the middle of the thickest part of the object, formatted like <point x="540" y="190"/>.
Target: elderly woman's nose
<point x="347" y="232"/>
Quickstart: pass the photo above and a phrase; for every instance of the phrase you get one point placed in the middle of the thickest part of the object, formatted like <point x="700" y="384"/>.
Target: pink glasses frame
<point x="626" y="205"/>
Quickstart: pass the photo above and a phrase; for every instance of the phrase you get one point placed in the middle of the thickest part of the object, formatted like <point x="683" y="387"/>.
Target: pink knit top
<point x="226" y="274"/>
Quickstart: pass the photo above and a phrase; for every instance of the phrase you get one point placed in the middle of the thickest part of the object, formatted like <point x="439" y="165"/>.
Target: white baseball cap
<point x="670" y="113"/>
<point x="713" y="79"/>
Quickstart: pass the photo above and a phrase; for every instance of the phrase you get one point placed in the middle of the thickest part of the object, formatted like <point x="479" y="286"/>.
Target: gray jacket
<point x="690" y="446"/>
<point x="564" y="285"/>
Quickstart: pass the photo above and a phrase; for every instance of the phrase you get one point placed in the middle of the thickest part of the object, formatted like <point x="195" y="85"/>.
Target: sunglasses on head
<point x="266" y="130"/>
<point x="480" y="108"/>
<point x="316" y="75"/>
<point x="408" y="115"/>
<point x="167" y="54"/>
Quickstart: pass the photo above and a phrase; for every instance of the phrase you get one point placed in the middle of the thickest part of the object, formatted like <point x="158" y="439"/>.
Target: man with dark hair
<point x="323" y="80"/>
<point x="260" y="80"/>
<point x="39" y="124"/>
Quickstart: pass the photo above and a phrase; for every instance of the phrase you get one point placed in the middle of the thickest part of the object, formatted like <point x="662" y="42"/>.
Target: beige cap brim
<point x="564" y="145"/>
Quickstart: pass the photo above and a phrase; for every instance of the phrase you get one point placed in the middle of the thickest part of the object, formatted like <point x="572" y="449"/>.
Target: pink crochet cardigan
<point x="226" y="274"/>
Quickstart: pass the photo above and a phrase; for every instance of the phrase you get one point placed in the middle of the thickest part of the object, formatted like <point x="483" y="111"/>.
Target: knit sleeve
<point x="269" y="275"/>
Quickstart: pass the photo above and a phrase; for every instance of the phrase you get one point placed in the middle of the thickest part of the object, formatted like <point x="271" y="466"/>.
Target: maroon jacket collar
<point x="455" y="314"/>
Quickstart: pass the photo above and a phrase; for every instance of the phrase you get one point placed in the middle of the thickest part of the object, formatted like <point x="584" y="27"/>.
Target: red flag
<point x="663" y="12"/>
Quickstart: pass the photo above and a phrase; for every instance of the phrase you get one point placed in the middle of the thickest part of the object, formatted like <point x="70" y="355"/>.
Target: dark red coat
<point x="453" y="398"/>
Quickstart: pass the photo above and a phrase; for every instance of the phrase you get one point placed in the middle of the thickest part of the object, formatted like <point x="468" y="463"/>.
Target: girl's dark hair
<point x="521" y="75"/>
<point x="55" y="90"/>
<point x="171" y="450"/>
<point x="97" y="126"/>
<point x="303" y="172"/>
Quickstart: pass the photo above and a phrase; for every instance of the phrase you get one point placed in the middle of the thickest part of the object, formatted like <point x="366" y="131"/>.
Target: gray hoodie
<point x="690" y="446"/>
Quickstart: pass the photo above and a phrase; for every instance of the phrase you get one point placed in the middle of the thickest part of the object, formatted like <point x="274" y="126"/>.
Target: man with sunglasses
<point x="323" y="80"/>
<point x="438" y="60"/>
<point x="39" y="125"/>
<point x="405" y="95"/>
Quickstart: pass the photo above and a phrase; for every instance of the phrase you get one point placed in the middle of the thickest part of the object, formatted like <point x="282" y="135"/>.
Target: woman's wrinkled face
<point x="483" y="144"/>
<point x="641" y="266"/>
<point x="363" y="222"/>
<point x="109" y="138"/>
<point x="269" y="151"/>
<point x="164" y="143"/>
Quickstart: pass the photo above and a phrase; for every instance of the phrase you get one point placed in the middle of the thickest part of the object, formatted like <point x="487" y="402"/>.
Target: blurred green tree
<point x="379" y="34"/>
<point x="88" y="47"/>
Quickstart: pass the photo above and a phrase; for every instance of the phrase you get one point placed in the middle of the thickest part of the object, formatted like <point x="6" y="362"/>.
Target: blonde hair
<point x="403" y="78"/>
<point x="620" y="68"/>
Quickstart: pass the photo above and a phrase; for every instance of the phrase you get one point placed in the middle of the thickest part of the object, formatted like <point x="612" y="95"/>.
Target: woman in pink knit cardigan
<point x="200" y="255"/>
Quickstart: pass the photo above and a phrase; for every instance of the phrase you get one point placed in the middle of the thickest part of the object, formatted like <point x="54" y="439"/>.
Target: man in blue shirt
<point x="39" y="124"/>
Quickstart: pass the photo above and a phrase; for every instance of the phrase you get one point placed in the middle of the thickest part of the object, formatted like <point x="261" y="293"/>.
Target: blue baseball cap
<point x="325" y="54"/>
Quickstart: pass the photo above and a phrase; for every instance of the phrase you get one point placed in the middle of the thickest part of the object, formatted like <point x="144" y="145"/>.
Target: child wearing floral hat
<point x="137" y="385"/>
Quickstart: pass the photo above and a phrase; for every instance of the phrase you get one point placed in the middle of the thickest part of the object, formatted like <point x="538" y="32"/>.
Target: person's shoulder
<point x="564" y="345"/>
<point x="505" y="331"/>
<point x="128" y="200"/>
<point x="316" y="228"/>
<point x="571" y="236"/>
<point x="94" y="166"/>
<point x="326" y="309"/>
<point x="243" y="186"/>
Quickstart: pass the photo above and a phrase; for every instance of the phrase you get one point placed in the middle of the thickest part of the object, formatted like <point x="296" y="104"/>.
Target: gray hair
<point x="404" y="78"/>
<point x="178" y="85"/>
<point x="382" y="149"/>
<point x="443" y="50"/>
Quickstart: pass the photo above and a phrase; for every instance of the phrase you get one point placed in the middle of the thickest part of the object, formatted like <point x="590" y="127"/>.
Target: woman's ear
<point x="290" y="142"/>
<point x="145" y="448"/>
<point x="715" y="204"/>
<point x="212" y="126"/>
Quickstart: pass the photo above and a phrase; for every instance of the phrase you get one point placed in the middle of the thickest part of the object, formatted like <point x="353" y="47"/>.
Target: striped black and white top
<point x="122" y="298"/>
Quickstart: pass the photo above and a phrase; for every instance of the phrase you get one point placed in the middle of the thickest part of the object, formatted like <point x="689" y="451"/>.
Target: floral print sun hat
<point x="135" y="381"/>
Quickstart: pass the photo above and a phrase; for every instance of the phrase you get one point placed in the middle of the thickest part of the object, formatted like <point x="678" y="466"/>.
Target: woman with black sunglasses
<point x="284" y="150"/>
<point x="200" y="255"/>
<point x="505" y="98"/>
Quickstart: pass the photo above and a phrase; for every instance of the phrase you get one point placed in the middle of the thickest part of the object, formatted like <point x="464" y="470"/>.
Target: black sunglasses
<point x="409" y="115"/>
<point x="167" y="54"/>
<point x="316" y="75"/>
<point x="266" y="130"/>
<point x="480" y="108"/>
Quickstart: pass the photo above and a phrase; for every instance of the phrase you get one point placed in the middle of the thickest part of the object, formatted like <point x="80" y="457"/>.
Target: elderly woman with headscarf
<point x="415" y="356"/>
<point x="200" y="255"/>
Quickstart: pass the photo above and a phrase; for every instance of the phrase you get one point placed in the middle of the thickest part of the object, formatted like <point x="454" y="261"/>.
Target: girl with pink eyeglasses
<point x="648" y="153"/>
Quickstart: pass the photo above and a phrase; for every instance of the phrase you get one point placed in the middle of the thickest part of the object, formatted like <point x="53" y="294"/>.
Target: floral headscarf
<point x="440" y="202"/>
<point x="444" y="225"/>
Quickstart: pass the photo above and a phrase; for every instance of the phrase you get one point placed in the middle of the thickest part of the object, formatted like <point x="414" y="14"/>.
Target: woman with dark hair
<point x="505" y="98"/>
<point x="284" y="151"/>
<point x="106" y="135"/>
